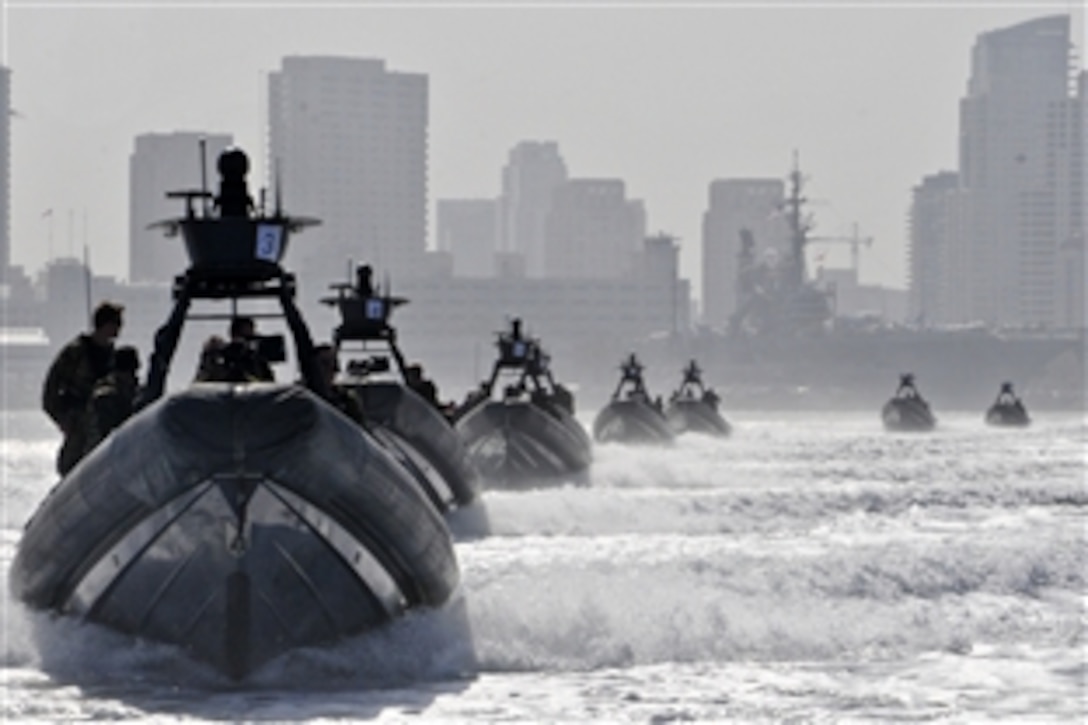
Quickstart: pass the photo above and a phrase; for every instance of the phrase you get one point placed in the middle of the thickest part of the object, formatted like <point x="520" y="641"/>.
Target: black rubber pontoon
<point x="239" y="522"/>
<point x="632" y="416"/>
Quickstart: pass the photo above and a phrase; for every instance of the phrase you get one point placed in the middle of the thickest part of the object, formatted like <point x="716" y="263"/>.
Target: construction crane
<point x="854" y="241"/>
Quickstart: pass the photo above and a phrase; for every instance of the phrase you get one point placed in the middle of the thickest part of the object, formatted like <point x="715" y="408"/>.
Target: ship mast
<point x="799" y="226"/>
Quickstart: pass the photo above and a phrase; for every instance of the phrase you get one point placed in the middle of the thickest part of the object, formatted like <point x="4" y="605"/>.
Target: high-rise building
<point x="1072" y="302"/>
<point x="468" y="230"/>
<point x="160" y="163"/>
<point x="1017" y="138"/>
<point x="5" y="171"/>
<point x="532" y="172"/>
<point x="592" y="230"/>
<point x="939" y="263"/>
<point x="736" y="205"/>
<point x="348" y="145"/>
<point x="660" y="273"/>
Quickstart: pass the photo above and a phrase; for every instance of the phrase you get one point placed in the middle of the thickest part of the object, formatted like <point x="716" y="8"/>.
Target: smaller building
<point x="467" y="229"/>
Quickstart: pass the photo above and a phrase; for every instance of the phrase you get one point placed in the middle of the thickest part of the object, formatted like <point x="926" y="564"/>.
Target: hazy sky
<point x="666" y="96"/>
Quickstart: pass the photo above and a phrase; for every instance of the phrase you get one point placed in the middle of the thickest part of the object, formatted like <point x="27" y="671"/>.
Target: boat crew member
<point x="238" y="360"/>
<point x="211" y="362"/>
<point x="562" y="397"/>
<point x="114" y="396"/>
<point x="336" y="395"/>
<point x="364" y="284"/>
<point x="906" y="387"/>
<point x="414" y="378"/>
<point x="243" y="344"/>
<point x="70" y="382"/>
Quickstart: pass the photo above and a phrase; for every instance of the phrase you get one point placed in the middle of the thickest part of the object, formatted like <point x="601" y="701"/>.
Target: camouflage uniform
<point x="345" y="401"/>
<point x="111" y="405"/>
<point x="67" y="391"/>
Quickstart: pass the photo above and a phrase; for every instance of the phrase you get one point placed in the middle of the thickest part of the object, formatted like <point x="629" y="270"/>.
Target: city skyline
<point x="611" y="102"/>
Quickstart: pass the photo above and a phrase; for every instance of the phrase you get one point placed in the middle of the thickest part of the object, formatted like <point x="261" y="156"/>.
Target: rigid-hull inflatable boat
<point x="694" y="408"/>
<point x="907" y="410"/>
<point x="1008" y="410"/>
<point x="526" y="435"/>
<point x="236" y="519"/>
<point x="632" y="416"/>
<point x="392" y="403"/>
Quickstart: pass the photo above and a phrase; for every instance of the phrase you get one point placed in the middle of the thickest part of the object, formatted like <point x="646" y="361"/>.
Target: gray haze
<point x="667" y="97"/>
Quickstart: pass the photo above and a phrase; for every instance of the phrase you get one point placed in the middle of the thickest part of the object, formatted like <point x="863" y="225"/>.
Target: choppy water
<point x="810" y="568"/>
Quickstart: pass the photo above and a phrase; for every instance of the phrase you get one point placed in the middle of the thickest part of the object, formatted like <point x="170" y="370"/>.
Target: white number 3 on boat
<point x="269" y="241"/>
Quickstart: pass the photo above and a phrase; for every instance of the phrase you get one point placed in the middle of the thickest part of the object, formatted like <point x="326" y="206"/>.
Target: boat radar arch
<point x="364" y="319"/>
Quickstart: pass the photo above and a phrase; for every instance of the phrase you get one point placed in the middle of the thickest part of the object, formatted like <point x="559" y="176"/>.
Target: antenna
<point x="87" y="283"/>
<point x="276" y="177"/>
<point x="204" y="172"/>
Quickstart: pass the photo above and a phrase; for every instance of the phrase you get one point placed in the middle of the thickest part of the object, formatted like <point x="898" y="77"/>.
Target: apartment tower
<point x="1018" y="155"/>
<point x="348" y="145"/>
<point x="468" y="229"/>
<point x="5" y="171"/>
<point x="593" y="230"/>
<point x="533" y="171"/>
<point x="750" y="205"/>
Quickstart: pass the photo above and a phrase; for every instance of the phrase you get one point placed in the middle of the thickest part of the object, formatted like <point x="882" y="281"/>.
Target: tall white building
<point x="659" y="268"/>
<point x="1017" y="146"/>
<point x="533" y="171"/>
<point x="159" y="163"/>
<point x="1072" y="309"/>
<point x="593" y="230"/>
<point x="348" y="145"/>
<point x="939" y="260"/>
<point x="5" y="171"/>
<point x="468" y="230"/>
<point x="754" y="205"/>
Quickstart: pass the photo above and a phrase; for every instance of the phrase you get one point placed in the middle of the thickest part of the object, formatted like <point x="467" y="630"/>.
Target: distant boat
<point x="1008" y="410"/>
<point x="694" y="407"/>
<point x="519" y="425"/>
<point x="632" y="416"/>
<point x="398" y="410"/>
<point x="907" y="410"/>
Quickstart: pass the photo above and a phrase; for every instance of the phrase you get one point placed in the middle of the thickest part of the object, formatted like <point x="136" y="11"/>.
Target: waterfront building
<point x="5" y="171"/>
<point x="1072" y="312"/>
<point x="1019" y="152"/>
<point x="348" y="145"/>
<point x="940" y="278"/>
<point x="754" y="205"/>
<point x="468" y="230"/>
<point x="587" y="324"/>
<point x="592" y="230"/>
<point x="533" y="171"/>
